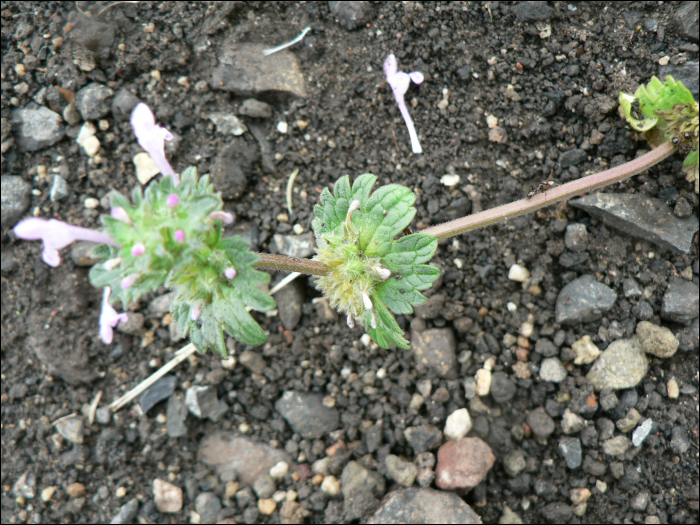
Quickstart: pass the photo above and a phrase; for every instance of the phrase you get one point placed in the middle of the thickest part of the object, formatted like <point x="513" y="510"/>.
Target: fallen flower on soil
<point x="399" y="82"/>
<point x="152" y="137"/>
<point x="109" y="318"/>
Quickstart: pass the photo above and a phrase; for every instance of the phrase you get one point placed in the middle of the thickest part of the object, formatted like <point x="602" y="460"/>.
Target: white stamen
<point x="351" y="322"/>
<point x="267" y="52"/>
<point x="354" y="205"/>
<point x="367" y="301"/>
<point x="384" y="273"/>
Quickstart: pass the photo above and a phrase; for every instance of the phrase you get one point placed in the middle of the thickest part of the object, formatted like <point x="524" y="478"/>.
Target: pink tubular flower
<point x="138" y="249"/>
<point x="152" y="137"/>
<point x="179" y="236"/>
<point x="56" y="235"/>
<point x="230" y="272"/>
<point x="399" y="82"/>
<point x="109" y="318"/>
<point x="196" y="310"/>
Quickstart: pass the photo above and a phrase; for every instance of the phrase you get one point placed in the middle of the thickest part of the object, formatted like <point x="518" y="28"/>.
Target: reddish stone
<point x="463" y="464"/>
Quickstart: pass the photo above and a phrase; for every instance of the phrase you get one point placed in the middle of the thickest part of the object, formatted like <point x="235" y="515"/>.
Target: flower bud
<point x="172" y="200"/>
<point x="120" y="214"/>
<point x="138" y="249"/>
<point x="384" y="273"/>
<point x="113" y="263"/>
<point x="129" y="280"/>
<point x="223" y="216"/>
<point x="196" y="310"/>
<point x="230" y="272"/>
<point x="179" y="236"/>
<point x="367" y="301"/>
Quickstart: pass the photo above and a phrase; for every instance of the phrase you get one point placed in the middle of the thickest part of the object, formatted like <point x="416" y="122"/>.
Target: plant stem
<point x="290" y="264"/>
<point x="500" y="213"/>
<point x="551" y="196"/>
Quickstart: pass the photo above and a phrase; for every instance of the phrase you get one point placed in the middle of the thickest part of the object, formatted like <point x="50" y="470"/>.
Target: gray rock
<point x="133" y="325"/>
<point x="71" y="428"/>
<point x="59" y="189"/>
<point x="264" y="486"/>
<point x="679" y="440"/>
<point x="642" y="216"/>
<point x="546" y="347"/>
<point x="657" y="340"/>
<point x="631" y="288"/>
<point x="306" y="414"/>
<point x="123" y="104"/>
<point x="570" y="449"/>
<point x="423" y="438"/>
<point x="290" y="300"/>
<point x="435" y="349"/>
<point x="403" y="472"/>
<point x="352" y="14"/>
<point x="37" y="128"/>
<point x="414" y="505"/>
<point x="295" y="245"/>
<point x="540" y="422"/>
<point x="176" y="414"/>
<point x="573" y="157"/>
<point x="616" y="446"/>
<point x="576" y="237"/>
<point x="552" y="370"/>
<point x="514" y="462"/>
<point x="244" y="70"/>
<point x="255" y="109"/>
<point x="232" y="167"/>
<point x="81" y="254"/>
<point x="557" y="512"/>
<point x="238" y="457"/>
<point x="355" y="476"/>
<point x="628" y="422"/>
<point x="584" y="300"/>
<point x="227" y="123"/>
<point x="572" y="423"/>
<point x="639" y="501"/>
<point x="254" y="361"/>
<point x="532" y="11"/>
<point x="16" y="197"/>
<point x="689" y="336"/>
<point x="157" y="392"/>
<point x="622" y="365"/>
<point x="94" y="101"/>
<point x="207" y="506"/>
<point x="127" y="512"/>
<point x="569" y="260"/>
<point x="161" y="304"/>
<point x="502" y="387"/>
<point x="680" y="302"/>
<point x="202" y="401"/>
<point x="685" y="17"/>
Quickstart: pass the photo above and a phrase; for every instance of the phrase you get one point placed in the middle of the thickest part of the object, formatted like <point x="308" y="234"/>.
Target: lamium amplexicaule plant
<point x="366" y="266"/>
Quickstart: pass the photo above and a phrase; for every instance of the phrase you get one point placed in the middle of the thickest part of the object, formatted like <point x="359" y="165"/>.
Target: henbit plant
<point x="172" y="236"/>
<point x="664" y="112"/>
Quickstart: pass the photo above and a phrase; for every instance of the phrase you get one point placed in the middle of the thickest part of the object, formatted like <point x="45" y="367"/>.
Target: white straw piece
<point x="267" y="52"/>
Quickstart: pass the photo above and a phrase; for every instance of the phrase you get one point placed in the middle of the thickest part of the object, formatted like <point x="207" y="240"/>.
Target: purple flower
<point x="138" y="249"/>
<point x="230" y="272"/>
<point x="172" y="200"/>
<point x="399" y="82"/>
<point x="56" y="235"/>
<point x="152" y="137"/>
<point x="109" y="318"/>
<point x="179" y="236"/>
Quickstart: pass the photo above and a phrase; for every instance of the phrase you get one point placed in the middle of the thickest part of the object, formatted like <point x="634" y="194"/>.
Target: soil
<point x="567" y="83"/>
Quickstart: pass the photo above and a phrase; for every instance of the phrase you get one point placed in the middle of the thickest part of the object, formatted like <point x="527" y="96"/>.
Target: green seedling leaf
<point x="367" y="264"/>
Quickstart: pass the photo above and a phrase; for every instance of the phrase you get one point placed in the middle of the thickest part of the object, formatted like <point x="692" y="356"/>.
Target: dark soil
<point x="53" y="362"/>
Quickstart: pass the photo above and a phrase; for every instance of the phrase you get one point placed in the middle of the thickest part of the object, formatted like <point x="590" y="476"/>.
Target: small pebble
<point x="279" y="470"/>
<point x="458" y="424"/>
<point x="601" y="486"/>
<point x="672" y="389"/>
<point x="91" y="203"/>
<point x="267" y="506"/>
<point x="483" y="382"/>
<point x="518" y="273"/>
<point x="47" y="494"/>
<point x="317" y="479"/>
<point x="75" y="490"/>
<point x="282" y="126"/>
<point x="331" y="485"/>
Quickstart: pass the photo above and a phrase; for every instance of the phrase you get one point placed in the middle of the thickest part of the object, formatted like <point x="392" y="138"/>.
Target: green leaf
<point x="388" y="211"/>
<point x="387" y="331"/>
<point x="231" y="312"/>
<point x="363" y="186"/>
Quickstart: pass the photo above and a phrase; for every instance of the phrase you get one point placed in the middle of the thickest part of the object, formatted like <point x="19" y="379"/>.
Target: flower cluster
<point x="170" y="235"/>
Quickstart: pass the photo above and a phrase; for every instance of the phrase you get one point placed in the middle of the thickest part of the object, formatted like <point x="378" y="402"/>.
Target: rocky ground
<point x="553" y="374"/>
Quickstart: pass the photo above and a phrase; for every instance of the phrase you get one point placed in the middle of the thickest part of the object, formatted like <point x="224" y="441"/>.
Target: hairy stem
<point x="551" y="196"/>
<point x="289" y="264"/>
<point x="500" y="213"/>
